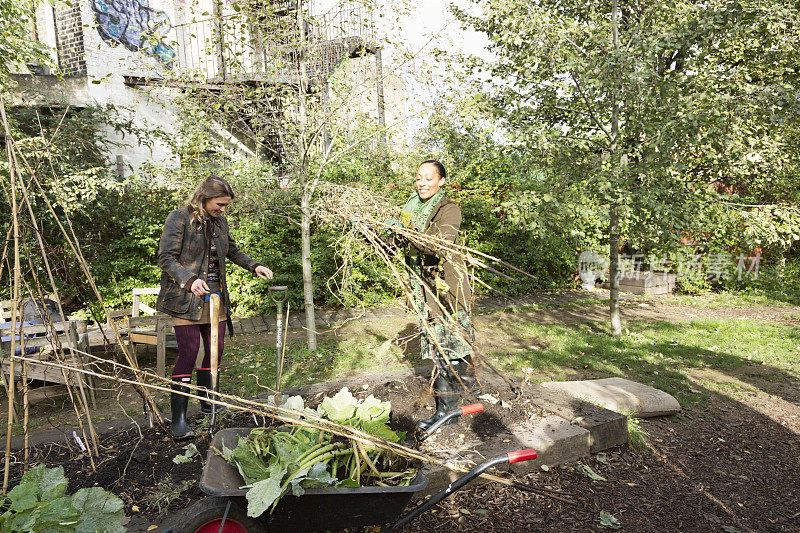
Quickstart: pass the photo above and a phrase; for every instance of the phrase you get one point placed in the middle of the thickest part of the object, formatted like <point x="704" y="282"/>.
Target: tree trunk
<point x="613" y="270"/>
<point x="781" y="261"/>
<point x="307" y="188"/>
<point x="613" y="214"/>
<point x="308" y="281"/>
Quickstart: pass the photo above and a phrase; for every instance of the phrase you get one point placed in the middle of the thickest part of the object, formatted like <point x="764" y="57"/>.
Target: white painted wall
<point x="189" y="37"/>
<point x="106" y="67"/>
<point x="354" y="94"/>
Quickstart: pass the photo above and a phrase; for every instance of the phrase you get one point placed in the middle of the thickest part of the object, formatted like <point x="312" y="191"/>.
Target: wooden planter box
<point x="649" y="283"/>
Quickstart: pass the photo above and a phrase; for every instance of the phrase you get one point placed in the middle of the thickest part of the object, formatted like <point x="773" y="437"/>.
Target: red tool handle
<point x="471" y="408"/>
<point x="521" y="455"/>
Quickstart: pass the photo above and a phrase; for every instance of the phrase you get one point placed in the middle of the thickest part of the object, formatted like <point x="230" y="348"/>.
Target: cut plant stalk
<point x="279" y="294"/>
<point x="283" y="350"/>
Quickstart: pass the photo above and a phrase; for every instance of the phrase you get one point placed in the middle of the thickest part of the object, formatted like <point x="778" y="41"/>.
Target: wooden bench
<point x="138" y="305"/>
<point x="41" y="340"/>
<point x="153" y="331"/>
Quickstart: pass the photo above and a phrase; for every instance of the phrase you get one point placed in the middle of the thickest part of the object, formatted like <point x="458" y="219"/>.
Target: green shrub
<point x="40" y="504"/>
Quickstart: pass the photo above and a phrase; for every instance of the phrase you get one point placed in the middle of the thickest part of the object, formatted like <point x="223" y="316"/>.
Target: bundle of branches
<point x="372" y="217"/>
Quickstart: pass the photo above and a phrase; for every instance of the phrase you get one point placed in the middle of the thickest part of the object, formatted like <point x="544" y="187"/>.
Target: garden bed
<point x="138" y="465"/>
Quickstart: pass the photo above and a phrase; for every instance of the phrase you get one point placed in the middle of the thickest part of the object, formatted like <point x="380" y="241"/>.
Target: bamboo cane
<point x="14" y="303"/>
<point x="25" y="404"/>
<point x="33" y="221"/>
<point x="310" y="420"/>
<point x="58" y="349"/>
<point x="283" y="350"/>
<point x="72" y="242"/>
<point x="374" y="240"/>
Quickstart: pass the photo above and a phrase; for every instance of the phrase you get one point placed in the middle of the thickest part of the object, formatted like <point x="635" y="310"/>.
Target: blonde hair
<point x="212" y="187"/>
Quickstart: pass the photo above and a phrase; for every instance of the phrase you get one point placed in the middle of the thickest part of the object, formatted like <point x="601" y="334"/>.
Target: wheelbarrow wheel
<point x="206" y="516"/>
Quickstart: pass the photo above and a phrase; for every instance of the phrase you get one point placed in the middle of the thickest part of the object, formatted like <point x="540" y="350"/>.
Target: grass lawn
<point x="670" y="356"/>
<point x="253" y="363"/>
<point x="662" y="354"/>
<point x="733" y="299"/>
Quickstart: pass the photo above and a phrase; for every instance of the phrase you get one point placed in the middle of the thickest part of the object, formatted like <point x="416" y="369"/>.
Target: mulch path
<point x="726" y="468"/>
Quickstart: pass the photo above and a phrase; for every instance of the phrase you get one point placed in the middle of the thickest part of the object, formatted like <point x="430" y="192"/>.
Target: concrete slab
<point x="620" y="395"/>
<point x="555" y="440"/>
<point x="606" y="428"/>
<point x="649" y="283"/>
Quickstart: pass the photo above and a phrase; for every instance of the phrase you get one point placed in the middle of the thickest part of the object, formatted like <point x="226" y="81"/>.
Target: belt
<point x="208" y="296"/>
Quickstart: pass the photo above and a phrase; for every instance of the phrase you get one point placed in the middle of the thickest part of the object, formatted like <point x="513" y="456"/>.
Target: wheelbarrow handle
<point x="521" y="455"/>
<point x="472" y="408"/>
<point x="508" y="458"/>
<point x="461" y="411"/>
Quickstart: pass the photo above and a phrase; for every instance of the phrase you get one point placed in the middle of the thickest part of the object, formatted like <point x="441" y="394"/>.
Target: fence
<point x="267" y="45"/>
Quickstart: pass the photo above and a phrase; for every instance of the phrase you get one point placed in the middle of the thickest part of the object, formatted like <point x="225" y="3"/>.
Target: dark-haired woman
<point x="195" y="245"/>
<point x="442" y="292"/>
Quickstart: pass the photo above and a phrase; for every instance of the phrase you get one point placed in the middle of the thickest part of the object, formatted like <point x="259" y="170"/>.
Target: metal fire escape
<point x="262" y="45"/>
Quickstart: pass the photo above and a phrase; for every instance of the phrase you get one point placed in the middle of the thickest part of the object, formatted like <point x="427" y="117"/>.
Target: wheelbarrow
<point x="321" y="509"/>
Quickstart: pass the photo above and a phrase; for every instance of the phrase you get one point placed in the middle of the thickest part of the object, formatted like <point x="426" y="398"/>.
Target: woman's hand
<point x="199" y="287"/>
<point x="263" y="272"/>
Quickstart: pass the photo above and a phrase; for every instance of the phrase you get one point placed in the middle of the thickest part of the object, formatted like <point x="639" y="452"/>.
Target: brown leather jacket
<point x="183" y="254"/>
<point x="444" y="222"/>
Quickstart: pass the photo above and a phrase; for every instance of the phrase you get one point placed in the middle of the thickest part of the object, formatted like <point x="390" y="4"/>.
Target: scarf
<point x="416" y="212"/>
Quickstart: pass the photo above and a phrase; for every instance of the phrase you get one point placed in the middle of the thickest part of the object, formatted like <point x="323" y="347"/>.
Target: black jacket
<point x="183" y="254"/>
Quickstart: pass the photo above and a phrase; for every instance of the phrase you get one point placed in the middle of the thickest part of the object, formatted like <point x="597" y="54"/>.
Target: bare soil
<point x="726" y="468"/>
<point x="732" y="466"/>
<point x="137" y="464"/>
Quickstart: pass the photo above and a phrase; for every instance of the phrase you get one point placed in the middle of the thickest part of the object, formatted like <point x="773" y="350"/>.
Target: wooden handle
<point x="214" y="348"/>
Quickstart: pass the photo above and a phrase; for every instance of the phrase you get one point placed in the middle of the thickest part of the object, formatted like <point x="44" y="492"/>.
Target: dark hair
<point x="211" y="187"/>
<point x="438" y="165"/>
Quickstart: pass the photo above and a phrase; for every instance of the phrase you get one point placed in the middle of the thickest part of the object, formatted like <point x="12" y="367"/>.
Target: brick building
<point x="129" y="53"/>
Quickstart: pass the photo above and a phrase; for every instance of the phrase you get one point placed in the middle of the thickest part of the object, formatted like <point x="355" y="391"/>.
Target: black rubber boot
<point x="467" y="381"/>
<point x="447" y="397"/>
<point x="204" y="380"/>
<point x="179" y="402"/>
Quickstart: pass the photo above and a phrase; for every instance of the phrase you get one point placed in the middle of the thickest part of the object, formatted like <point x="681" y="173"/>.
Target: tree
<point x="18" y="43"/>
<point x="644" y="103"/>
<point x="278" y="64"/>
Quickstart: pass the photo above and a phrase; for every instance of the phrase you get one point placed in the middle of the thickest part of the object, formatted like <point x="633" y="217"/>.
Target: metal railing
<point x="261" y="46"/>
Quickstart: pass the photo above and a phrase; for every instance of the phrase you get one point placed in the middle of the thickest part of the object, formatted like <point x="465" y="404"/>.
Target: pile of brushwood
<point x="274" y="461"/>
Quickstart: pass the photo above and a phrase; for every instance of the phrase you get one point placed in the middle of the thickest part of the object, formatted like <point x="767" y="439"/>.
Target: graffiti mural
<point x="135" y="25"/>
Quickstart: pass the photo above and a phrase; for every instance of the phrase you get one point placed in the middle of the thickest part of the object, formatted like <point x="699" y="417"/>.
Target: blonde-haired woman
<point x="195" y="245"/>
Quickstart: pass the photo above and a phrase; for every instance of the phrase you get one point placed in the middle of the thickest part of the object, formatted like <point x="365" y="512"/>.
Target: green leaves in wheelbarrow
<point x="345" y="408"/>
<point x="274" y="461"/>
<point x="265" y="492"/>
<point x="251" y="466"/>
<point x="373" y="410"/>
<point x="340" y="408"/>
